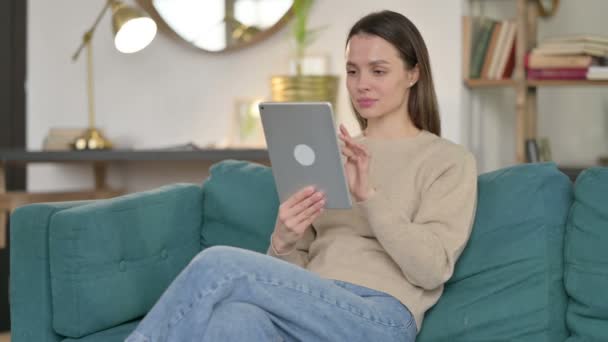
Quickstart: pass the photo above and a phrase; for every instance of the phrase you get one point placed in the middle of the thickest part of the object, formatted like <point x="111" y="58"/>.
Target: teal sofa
<point x="535" y="268"/>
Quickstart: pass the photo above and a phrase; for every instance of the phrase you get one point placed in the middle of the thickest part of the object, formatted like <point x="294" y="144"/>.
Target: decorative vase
<point x="305" y="88"/>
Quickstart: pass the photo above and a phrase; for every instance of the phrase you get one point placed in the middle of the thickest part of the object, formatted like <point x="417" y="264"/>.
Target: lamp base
<point x="92" y="139"/>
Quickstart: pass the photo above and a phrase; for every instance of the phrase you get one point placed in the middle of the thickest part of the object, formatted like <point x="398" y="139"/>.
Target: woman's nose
<point x="363" y="83"/>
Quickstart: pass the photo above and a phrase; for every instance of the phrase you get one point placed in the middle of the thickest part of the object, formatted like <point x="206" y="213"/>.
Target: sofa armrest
<point x="79" y="268"/>
<point x="30" y="289"/>
<point x="111" y="260"/>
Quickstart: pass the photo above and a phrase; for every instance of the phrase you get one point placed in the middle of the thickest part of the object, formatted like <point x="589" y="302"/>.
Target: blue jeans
<point x="231" y="294"/>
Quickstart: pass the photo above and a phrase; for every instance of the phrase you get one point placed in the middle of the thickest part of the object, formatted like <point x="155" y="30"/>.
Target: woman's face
<point x="377" y="79"/>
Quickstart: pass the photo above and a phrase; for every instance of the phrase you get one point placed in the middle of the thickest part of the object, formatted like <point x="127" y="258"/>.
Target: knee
<point x="222" y="258"/>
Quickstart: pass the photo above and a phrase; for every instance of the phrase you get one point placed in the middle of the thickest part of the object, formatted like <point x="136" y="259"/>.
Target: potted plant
<point x="301" y="86"/>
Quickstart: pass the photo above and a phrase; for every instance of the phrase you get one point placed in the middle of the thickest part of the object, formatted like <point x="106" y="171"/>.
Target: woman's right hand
<point x="295" y="215"/>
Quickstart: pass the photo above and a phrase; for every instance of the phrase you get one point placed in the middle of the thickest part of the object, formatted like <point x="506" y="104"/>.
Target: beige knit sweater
<point x="404" y="240"/>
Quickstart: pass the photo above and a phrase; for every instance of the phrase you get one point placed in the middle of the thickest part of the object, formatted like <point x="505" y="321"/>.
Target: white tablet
<point x="303" y="149"/>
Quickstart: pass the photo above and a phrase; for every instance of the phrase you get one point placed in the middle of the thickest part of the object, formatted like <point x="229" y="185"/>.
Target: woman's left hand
<point x="356" y="166"/>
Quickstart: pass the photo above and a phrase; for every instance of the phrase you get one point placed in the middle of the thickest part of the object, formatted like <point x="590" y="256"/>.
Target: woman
<point x="365" y="274"/>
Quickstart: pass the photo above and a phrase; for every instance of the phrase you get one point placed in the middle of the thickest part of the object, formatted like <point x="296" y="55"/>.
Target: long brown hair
<point x="398" y="30"/>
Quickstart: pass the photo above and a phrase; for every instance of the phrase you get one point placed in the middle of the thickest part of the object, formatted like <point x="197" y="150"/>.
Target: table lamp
<point x="133" y="31"/>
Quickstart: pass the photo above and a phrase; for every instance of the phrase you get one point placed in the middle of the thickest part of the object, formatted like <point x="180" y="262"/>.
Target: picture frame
<point x="246" y="127"/>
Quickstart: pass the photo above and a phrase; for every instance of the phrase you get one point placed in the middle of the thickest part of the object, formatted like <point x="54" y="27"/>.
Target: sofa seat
<point x="116" y="334"/>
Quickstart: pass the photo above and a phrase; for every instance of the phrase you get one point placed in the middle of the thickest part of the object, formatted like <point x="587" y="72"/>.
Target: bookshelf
<point x="526" y="103"/>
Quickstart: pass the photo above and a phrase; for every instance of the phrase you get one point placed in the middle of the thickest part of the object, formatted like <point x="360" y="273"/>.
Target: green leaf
<point x="301" y="10"/>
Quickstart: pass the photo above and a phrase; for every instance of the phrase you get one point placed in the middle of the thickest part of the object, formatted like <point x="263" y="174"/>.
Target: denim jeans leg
<point x="254" y="324"/>
<point x="300" y="305"/>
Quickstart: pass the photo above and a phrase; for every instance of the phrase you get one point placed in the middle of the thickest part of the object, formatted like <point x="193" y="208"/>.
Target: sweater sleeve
<point x="298" y="255"/>
<point x="427" y="245"/>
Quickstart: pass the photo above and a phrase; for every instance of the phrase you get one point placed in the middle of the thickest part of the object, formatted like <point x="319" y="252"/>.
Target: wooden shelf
<point x="559" y="83"/>
<point x="481" y="83"/>
<point x="211" y="154"/>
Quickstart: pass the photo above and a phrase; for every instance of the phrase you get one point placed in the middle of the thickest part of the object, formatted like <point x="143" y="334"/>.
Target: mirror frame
<point x="163" y="27"/>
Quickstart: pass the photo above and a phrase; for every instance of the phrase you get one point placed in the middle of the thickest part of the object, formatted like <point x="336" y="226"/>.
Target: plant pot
<point x="305" y="89"/>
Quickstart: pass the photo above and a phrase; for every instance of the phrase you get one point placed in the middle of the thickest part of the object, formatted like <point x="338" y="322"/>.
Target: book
<point x="532" y="151"/>
<point x="540" y="61"/>
<point x="467" y="37"/>
<point x="586" y="38"/>
<point x="557" y="74"/>
<point x="597" y="72"/>
<point x="480" y="46"/>
<point x="61" y="138"/>
<point x="491" y="51"/>
<point x="499" y="52"/>
<point x="572" y="48"/>
<point x="510" y="66"/>
<point x="506" y="61"/>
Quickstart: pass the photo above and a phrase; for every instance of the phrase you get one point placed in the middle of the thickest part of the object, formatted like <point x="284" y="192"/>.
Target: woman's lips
<point x="366" y="103"/>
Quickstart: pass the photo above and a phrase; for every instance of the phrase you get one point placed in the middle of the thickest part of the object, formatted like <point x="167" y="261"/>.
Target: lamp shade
<point x="133" y="30"/>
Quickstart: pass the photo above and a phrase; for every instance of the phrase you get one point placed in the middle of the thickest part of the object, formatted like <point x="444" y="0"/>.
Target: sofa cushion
<point x="240" y="205"/>
<point x="586" y="253"/>
<point x="507" y="284"/>
<point x="112" y="259"/>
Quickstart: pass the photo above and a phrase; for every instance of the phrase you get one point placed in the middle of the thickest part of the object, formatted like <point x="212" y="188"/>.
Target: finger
<point x="306" y="203"/>
<point x="308" y="222"/>
<point x="299" y="196"/>
<point x="356" y="149"/>
<point x="313" y="217"/>
<point x="348" y="152"/>
<point x="347" y="139"/>
<point x="344" y="130"/>
<point x="360" y="149"/>
<point x="362" y="167"/>
<point x="345" y="136"/>
<point x="348" y="142"/>
<point x="306" y="214"/>
<point x="350" y="157"/>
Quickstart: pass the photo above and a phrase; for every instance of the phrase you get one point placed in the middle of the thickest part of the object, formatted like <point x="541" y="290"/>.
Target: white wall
<point x="575" y="119"/>
<point x="172" y="94"/>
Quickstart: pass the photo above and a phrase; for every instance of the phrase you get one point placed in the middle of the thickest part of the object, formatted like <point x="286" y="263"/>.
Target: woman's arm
<point x="426" y="247"/>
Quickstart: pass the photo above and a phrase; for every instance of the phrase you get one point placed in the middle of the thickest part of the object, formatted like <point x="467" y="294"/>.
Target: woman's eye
<point x="379" y="72"/>
<point x="350" y="72"/>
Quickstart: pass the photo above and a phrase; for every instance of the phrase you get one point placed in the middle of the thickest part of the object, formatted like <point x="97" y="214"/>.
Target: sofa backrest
<point x="240" y="206"/>
<point x="586" y="254"/>
<point x="508" y="281"/>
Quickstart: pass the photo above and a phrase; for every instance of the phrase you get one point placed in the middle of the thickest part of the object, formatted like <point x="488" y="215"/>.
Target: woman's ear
<point x="413" y="75"/>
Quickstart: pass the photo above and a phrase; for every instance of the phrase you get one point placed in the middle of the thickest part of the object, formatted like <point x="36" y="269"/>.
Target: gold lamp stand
<point x="92" y="139"/>
<point x="138" y="35"/>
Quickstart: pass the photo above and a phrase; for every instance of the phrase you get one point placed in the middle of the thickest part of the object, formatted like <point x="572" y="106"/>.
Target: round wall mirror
<point x="220" y="25"/>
